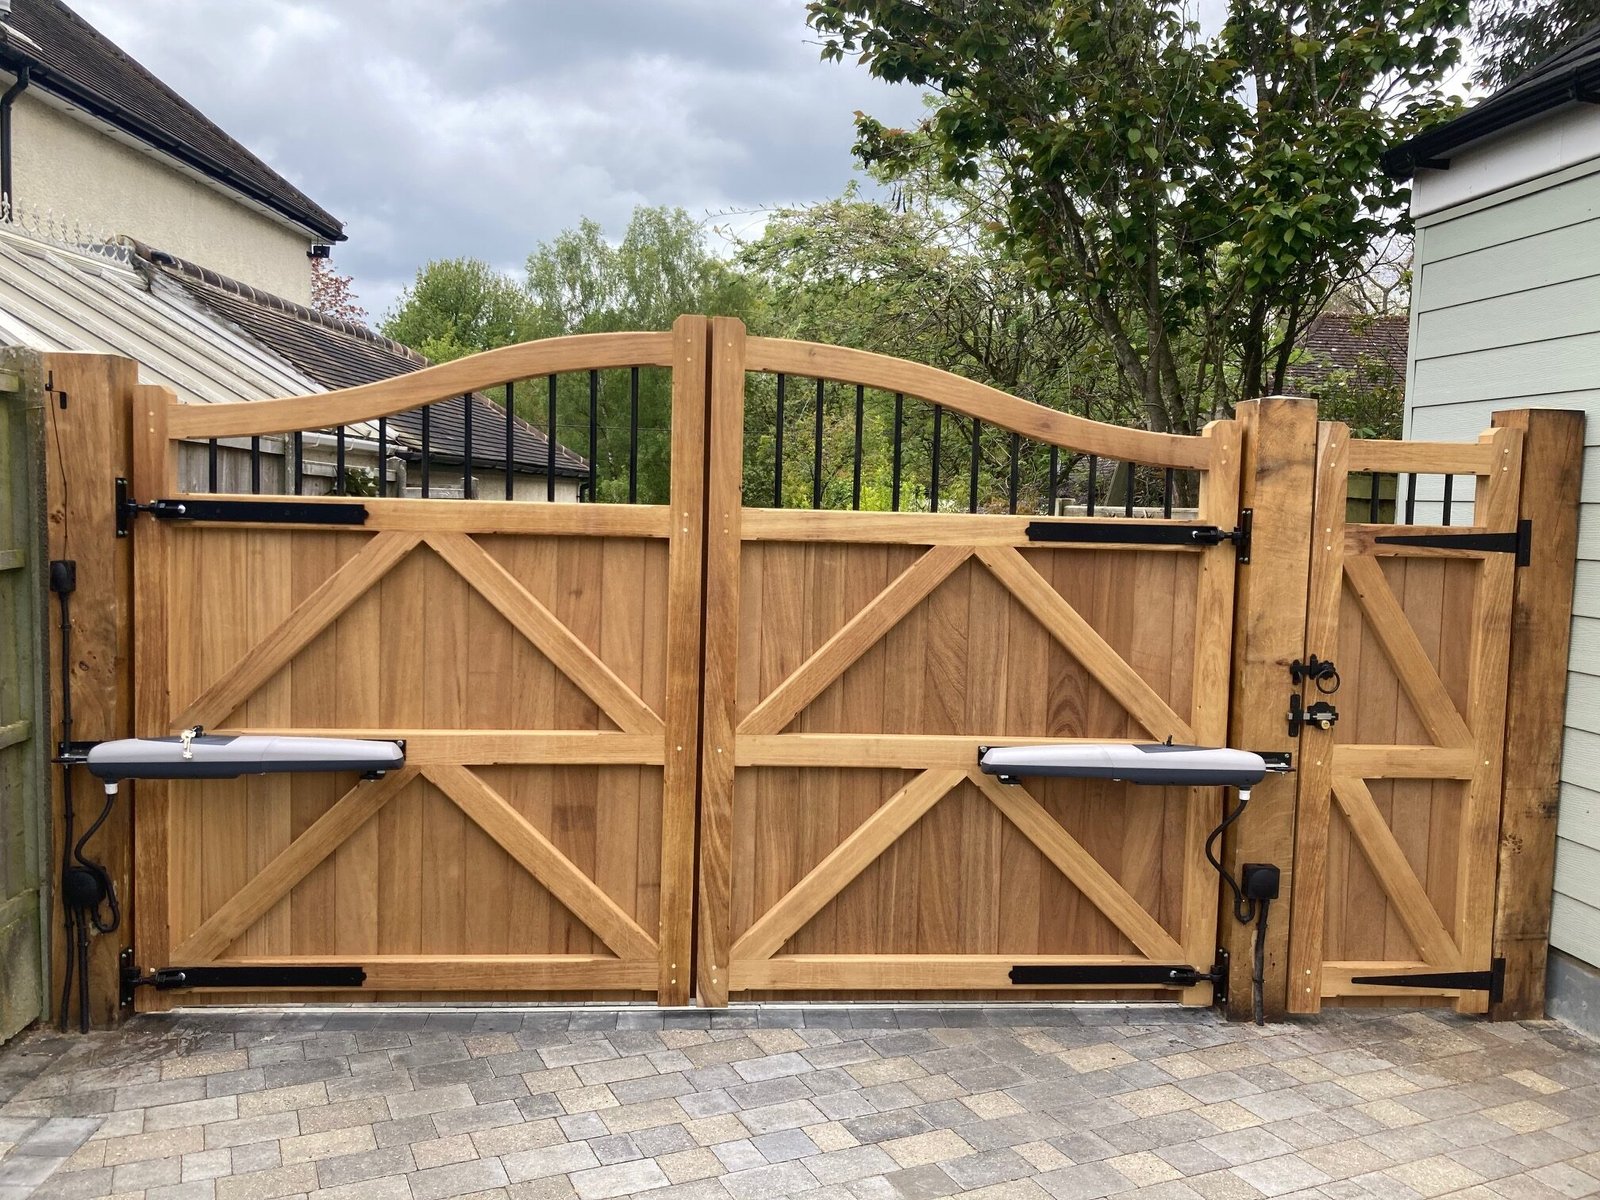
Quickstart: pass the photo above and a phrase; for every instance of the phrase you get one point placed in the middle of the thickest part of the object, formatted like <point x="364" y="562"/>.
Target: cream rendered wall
<point x="66" y="167"/>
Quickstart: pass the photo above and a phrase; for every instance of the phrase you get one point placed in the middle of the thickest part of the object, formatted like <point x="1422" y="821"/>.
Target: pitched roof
<point x="337" y="354"/>
<point x="1569" y="76"/>
<point x="1343" y="346"/>
<point x="69" y="58"/>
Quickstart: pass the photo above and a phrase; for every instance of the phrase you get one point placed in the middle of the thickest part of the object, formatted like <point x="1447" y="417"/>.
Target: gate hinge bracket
<point x="1518" y="541"/>
<point x="1239" y="535"/>
<point x="223" y="975"/>
<point x="255" y="510"/>
<point x="1492" y="981"/>
<point x="128" y="508"/>
<point x="1128" y="975"/>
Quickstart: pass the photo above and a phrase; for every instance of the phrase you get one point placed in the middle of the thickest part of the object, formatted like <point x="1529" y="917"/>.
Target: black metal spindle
<point x="211" y="465"/>
<point x="1127" y="489"/>
<point x="972" y="480"/>
<point x="633" y="435"/>
<point x="594" y="436"/>
<point x="1055" y="481"/>
<point x="894" y="477"/>
<point x="511" y="408"/>
<point x="1016" y="451"/>
<point x="299" y="463"/>
<point x="938" y="424"/>
<point x="550" y="445"/>
<point x="1411" y="499"/>
<point x="339" y="487"/>
<point x="816" y="460"/>
<point x="1094" y="470"/>
<point x="466" y="443"/>
<point x="855" y="478"/>
<point x="1449" y="488"/>
<point x="1373" y="512"/>
<point x="777" y="445"/>
<point x="427" y="450"/>
<point x="255" y="466"/>
<point x="383" y="456"/>
<point x="1166" y="492"/>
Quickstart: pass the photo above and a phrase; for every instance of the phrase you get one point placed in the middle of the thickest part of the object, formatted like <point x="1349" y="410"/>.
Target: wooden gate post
<point x="1277" y="482"/>
<point x="1541" y="625"/>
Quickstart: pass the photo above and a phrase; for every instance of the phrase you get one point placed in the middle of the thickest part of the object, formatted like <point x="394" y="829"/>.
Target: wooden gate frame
<point x="1467" y="747"/>
<point x="660" y="962"/>
<point x="725" y="964"/>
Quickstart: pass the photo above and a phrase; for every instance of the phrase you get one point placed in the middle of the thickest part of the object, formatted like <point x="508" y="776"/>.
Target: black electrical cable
<point x="1258" y="974"/>
<point x="1244" y="910"/>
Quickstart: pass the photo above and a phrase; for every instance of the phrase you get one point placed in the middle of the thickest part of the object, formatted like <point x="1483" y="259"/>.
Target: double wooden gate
<point x="709" y="749"/>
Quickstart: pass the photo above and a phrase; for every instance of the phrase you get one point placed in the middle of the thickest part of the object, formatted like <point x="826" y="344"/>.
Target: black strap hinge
<point x="1134" y="532"/>
<point x="1492" y="981"/>
<point x="255" y="511"/>
<point x="1130" y="975"/>
<point x="1518" y="541"/>
<point x="300" y="978"/>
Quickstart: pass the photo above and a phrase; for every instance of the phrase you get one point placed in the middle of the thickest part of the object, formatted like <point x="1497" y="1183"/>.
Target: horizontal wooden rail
<point x="467" y="972"/>
<point x="935" y="529"/>
<point x="843" y="365"/>
<point x="368" y="402"/>
<point x="412" y="515"/>
<point x="1420" y="458"/>
<point x="901" y="972"/>
<point x="876" y="751"/>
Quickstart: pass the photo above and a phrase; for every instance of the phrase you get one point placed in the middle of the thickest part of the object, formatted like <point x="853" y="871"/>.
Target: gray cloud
<point x="482" y="127"/>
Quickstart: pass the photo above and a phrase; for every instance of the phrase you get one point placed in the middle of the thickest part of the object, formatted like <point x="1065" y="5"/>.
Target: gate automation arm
<point x="1157" y="765"/>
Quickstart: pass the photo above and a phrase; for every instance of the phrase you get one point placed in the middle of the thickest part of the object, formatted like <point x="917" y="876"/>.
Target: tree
<point x="1510" y="36"/>
<point x="1201" y="198"/>
<point x="459" y="306"/>
<point x="333" y="294"/>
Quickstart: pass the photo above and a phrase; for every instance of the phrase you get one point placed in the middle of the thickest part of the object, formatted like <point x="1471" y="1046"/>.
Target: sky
<point x="483" y="127"/>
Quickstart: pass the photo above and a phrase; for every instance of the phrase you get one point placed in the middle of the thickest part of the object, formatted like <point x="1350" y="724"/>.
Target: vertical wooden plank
<point x="1277" y="481"/>
<point x="1541" y="621"/>
<point x="88" y="425"/>
<point x="1213" y="612"/>
<point x="1314" y="771"/>
<point x="154" y="473"/>
<point x="1496" y="508"/>
<point x="685" y="597"/>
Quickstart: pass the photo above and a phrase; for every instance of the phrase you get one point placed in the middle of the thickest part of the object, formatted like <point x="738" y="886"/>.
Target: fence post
<point x="1541" y="623"/>
<point x="1278" y="483"/>
<point x="88" y="421"/>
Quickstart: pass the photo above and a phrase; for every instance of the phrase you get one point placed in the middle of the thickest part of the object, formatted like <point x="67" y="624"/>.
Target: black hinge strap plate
<point x="311" y="978"/>
<point x="255" y="510"/>
<point x="1492" y="981"/>
<point x="1125" y="975"/>
<point x="1135" y="532"/>
<point x="1518" y="542"/>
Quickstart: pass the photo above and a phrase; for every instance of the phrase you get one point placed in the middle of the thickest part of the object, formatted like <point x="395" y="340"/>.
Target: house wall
<point x="1506" y="314"/>
<point x="63" y="167"/>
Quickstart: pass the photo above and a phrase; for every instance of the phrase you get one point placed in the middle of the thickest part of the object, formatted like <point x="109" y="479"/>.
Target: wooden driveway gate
<point x="714" y="749"/>
<point x="855" y="662"/>
<point x="541" y="662"/>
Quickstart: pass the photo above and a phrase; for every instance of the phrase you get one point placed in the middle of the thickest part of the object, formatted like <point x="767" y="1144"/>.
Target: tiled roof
<point x="338" y="354"/>
<point x="69" y="58"/>
<point x="1350" y="345"/>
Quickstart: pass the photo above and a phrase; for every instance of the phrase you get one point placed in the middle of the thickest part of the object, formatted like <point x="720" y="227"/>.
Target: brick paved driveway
<point x="756" y="1103"/>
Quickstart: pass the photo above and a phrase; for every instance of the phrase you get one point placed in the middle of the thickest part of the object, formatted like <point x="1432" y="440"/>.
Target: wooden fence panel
<point x="855" y="662"/>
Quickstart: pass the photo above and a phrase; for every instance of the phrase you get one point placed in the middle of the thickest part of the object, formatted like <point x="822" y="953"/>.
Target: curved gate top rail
<point x="369" y="401"/>
<point x="605" y="351"/>
<point x="973" y="399"/>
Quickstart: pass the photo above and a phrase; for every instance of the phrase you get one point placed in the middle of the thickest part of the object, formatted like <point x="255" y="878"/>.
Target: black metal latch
<point x="256" y="511"/>
<point x="306" y="978"/>
<point x="1134" y="532"/>
<point x="1320" y="715"/>
<point x="1492" y="981"/>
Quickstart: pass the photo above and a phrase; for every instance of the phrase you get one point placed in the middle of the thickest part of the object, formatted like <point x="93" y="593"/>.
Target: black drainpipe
<point x="6" y="100"/>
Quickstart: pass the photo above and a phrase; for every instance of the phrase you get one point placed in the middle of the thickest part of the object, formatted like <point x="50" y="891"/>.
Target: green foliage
<point x="459" y="306"/>
<point x="1510" y="36"/>
<point x="1200" y="199"/>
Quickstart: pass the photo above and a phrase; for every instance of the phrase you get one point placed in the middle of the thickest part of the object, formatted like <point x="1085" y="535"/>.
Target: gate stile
<point x="1399" y="803"/>
<point x="792" y="820"/>
<point x="540" y="838"/>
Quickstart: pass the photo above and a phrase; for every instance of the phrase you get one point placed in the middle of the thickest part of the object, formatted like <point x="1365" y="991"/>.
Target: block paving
<point x="753" y="1103"/>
